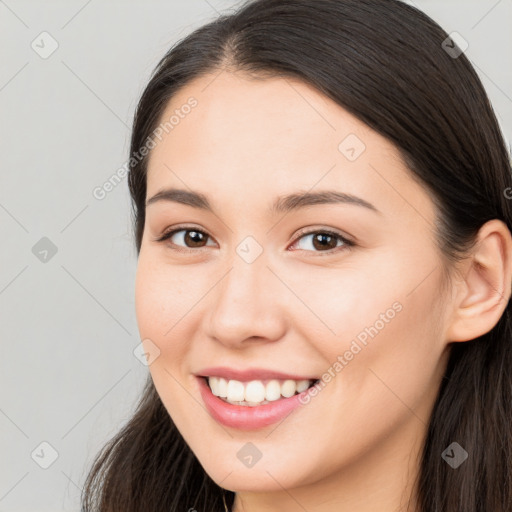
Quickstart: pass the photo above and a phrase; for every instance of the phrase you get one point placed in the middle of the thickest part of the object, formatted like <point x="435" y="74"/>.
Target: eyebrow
<point x="282" y="204"/>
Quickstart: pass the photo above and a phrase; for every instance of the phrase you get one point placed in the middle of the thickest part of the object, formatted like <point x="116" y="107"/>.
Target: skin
<point x="296" y="308"/>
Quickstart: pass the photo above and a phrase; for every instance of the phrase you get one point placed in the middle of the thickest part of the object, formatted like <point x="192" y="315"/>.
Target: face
<point x="344" y="288"/>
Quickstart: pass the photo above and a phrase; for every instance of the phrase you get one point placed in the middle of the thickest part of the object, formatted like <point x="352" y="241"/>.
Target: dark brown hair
<point x="383" y="61"/>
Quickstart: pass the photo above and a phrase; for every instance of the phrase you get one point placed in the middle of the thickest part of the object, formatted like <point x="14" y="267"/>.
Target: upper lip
<point x="249" y="374"/>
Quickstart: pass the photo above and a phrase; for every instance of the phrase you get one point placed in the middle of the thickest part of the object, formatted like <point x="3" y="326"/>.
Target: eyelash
<point x="347" y="243"/>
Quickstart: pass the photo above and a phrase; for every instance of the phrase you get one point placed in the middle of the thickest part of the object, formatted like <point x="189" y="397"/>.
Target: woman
<point x="324" y="272"/>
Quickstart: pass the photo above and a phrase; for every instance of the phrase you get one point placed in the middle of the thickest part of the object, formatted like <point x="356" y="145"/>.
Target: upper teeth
<point x="255" y="391"/>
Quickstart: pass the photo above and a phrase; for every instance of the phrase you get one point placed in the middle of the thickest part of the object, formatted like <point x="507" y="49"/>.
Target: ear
<point x="482" y="295"/>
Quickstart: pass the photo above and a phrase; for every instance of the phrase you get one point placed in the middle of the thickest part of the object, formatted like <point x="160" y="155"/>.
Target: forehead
<point x="236" y="114"/>
<point x="249" y="138"/>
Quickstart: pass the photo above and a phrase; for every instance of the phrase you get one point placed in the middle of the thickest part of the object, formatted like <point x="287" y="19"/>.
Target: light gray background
<point x="68" y="373"/>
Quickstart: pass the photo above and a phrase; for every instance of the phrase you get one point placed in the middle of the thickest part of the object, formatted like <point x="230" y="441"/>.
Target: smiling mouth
<point x="256" y="392"/>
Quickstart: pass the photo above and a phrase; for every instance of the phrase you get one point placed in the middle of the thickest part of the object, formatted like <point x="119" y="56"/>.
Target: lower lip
<point x="247" y="417"/>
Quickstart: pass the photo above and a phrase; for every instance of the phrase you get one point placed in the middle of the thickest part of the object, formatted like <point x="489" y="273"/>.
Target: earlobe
<point x="486" y="288"/>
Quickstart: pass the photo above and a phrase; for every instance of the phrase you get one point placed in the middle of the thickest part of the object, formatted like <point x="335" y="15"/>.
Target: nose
<point x="247" y="305"/>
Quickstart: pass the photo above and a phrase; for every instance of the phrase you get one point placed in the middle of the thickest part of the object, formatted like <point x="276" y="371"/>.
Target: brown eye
<point x="185" y="238"/>
<point x="194" y="238"/>
<point x="323" y="241"/>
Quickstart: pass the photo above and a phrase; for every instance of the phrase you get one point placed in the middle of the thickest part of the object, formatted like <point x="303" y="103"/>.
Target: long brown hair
<point x="388" y="64"/>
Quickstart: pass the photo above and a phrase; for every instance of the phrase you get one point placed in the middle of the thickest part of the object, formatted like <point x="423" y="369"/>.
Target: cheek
<point x="159" y="305"/>
<point x="388" y="381"/>
<point x="161" y="301"/>
<point x="384" y="332"/>
<point x="333" y="306"/>
<point x="391" y="364"/>
<point x="168" y="310"/>
<point x="163" y="295"/>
